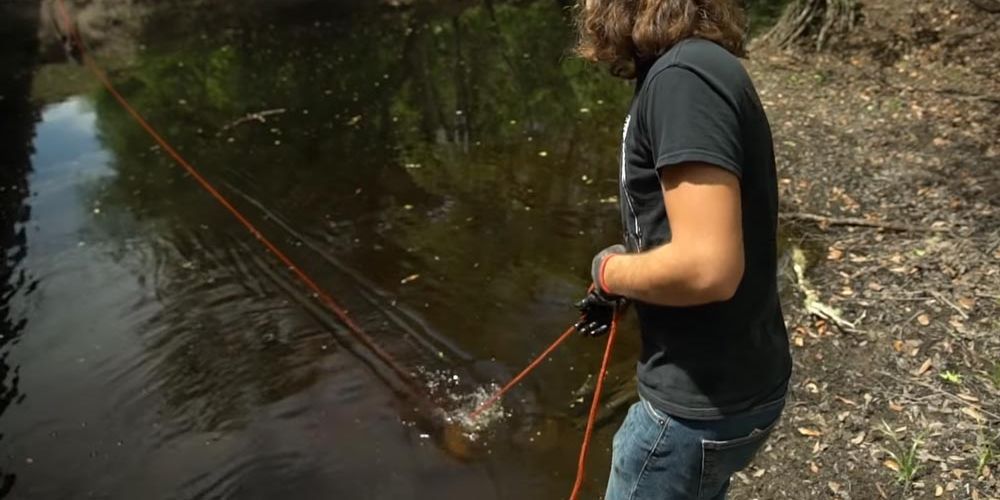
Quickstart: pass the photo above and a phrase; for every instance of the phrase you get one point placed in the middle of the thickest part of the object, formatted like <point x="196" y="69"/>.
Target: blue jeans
<point x="659" y="457"/>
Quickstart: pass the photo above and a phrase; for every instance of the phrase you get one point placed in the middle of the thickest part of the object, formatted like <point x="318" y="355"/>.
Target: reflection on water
<point x="17" y="121"/>
<point x="445" y="172"/>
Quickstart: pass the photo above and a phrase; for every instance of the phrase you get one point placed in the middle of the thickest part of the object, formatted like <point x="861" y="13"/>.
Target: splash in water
<point x="459" y="403"/>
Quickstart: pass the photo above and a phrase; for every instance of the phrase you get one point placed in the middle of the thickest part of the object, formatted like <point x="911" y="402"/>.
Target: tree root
<point x="818" y="21"/>
<point x="824" y="220"/>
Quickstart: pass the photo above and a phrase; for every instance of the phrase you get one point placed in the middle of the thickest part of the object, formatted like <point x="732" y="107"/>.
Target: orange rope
<point x="581" y="466"/>
<point x="514" y="381"/>
<point x="322" y="295"/>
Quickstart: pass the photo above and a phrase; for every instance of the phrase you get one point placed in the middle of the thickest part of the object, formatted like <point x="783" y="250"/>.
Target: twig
<point x="943" y="393"/>
<point x="880" y="490"/>
<point x="855" y="221"/>
<point x="938" y="295"/>
<point x="811" y="302"/>
<point x="260" y="116"/>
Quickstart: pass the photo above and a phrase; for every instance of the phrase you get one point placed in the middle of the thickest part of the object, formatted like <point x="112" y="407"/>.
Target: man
<point x="698" y="200"/>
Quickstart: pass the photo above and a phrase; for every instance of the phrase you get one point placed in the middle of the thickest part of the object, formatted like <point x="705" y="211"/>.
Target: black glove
<point x="598" y="307"/>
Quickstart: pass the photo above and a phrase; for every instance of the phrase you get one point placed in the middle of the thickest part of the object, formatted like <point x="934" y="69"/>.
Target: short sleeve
<point x="688" y="120"/>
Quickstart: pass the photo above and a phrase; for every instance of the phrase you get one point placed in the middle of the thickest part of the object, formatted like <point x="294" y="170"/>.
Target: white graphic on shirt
<point x="624" y="185"/>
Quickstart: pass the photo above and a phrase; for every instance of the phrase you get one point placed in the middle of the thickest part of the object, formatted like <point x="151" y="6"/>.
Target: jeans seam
<point x="701" y="476"/>
<point x="646" y="405"/>
<point x="664" y="425"/>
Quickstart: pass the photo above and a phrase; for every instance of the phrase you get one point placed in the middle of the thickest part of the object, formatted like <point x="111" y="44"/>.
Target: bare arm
<point x="703" y="262"/>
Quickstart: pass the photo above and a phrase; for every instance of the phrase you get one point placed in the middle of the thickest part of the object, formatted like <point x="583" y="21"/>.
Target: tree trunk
<point x="815" y="22"/>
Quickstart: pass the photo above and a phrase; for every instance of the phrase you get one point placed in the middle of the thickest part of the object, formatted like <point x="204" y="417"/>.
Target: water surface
<point x="445" y="171"/>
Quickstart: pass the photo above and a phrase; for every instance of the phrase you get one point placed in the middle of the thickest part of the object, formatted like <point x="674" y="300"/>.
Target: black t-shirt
<point x="696" y="103"/>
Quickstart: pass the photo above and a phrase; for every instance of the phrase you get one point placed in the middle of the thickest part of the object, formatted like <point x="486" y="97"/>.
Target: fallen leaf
<point x="974" y="413"/>
<point x="897" y="345"/>
<point x="875" y="286"/>
<point x="805" y="431"/>
<point x="818" y="447"/>
<point x="938" y="490"/>
<point x="967" y="302"/>
<point x="846" y="401"/>
<point x="895" y="406"/>
<point x="835" y="254"/>
<point x="924" y="319"/>
<point x="923" y="368"/>
<point x="813" y="467"/>
<point x="860" y="438"/>
<point x="891" y="464"/>
<point x="820" y="329"/>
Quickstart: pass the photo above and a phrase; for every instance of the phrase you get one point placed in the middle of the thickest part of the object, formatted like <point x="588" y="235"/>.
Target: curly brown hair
<point x="627" y="33"/>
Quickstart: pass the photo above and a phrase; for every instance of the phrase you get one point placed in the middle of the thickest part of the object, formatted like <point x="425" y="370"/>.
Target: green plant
<point x="904" y="454"/>
<point x="951" y="377"/>
<point x="995" y="375"/>
<point x="986" y="451"/>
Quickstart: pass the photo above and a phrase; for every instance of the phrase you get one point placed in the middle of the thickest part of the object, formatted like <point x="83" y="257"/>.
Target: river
<point x="444" y="171"/>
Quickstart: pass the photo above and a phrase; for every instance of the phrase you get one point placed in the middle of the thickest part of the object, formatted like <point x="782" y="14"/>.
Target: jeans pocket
<point x="721" y="459"/>
<point x="638" y="443"/>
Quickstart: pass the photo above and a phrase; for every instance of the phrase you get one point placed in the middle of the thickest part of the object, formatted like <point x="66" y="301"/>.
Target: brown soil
<point x="898" y="127"/>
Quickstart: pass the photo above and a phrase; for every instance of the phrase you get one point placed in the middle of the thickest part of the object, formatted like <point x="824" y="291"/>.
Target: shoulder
<point x="706" y="60"/>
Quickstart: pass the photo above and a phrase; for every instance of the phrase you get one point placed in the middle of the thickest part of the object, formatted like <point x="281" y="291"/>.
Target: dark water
<point x="445" y="171"/>
<point x="152" y="349"/>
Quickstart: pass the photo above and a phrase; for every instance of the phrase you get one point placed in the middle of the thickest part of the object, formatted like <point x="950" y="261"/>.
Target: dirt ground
<point x="889" y="165"/>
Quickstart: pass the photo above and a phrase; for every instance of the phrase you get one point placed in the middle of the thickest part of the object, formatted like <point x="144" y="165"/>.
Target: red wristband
<point x="604" y="265"/>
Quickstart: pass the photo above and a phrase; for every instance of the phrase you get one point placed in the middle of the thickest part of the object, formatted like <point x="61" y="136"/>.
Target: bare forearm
<point x="673" y="275"/>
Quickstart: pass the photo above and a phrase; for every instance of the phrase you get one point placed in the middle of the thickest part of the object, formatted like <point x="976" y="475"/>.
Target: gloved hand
<point x="598" y="307"/>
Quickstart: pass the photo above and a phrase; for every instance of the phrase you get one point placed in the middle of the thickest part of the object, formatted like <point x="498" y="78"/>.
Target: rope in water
<point x="581" y="466"/>
<point x="324" y="297"/>
<point x="485" y="405"/>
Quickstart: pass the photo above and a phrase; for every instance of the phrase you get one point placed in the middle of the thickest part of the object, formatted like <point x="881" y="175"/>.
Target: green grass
<point x="951" y="377"/>
<point x="986" y="450"/>
<point x="905" y="453"/>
